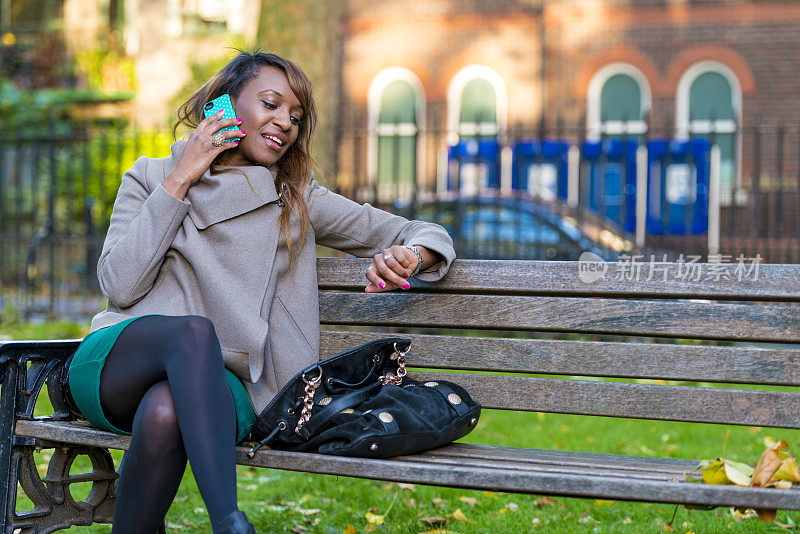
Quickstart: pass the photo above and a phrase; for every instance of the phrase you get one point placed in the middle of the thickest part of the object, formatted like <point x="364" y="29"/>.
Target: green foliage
<point x="106" y="70"/>
<point x="28" y="111"/>
<point x="13" y="327"/>
<point x="87" y="161"/>
<point x="19" y="108"/>
<point x="10" y="317"/>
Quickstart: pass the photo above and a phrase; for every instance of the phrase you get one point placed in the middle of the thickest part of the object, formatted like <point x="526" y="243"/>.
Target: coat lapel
<point x="235" y="191"/>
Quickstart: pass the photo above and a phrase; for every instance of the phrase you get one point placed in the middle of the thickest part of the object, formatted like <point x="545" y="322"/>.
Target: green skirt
<point x="84" y="381"/>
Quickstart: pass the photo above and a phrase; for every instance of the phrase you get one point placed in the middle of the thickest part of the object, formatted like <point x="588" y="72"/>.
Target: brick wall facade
<point x="756" y="40"/>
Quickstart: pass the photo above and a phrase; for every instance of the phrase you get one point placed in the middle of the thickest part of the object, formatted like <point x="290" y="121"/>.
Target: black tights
<point x="165" y="381"/>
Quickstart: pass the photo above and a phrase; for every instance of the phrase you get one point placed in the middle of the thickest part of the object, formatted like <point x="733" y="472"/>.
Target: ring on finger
<point x="217" y="139"/>
<point x="387" y="256"/>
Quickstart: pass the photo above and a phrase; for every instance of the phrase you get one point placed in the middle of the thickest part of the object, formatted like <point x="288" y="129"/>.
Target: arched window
<point x="397" y="131"/>
<point x="478" y="113"/>
<point x="709" y="105"/>
<point x="619" y="101"/>
<point x="396" y="118"/>
<point x="477" y="104"/>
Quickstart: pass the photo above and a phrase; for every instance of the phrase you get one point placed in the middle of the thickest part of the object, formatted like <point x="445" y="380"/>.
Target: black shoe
<point x="235" y="523"/>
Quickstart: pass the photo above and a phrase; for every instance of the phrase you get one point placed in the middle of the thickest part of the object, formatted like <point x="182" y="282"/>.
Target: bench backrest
<point x="724" y="323"/>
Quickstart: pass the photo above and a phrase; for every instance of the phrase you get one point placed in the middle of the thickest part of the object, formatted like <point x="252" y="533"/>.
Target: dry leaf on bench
<point x="722" y="471"/>
<point x="769" y="462"/>
<point x="776" y="468"/>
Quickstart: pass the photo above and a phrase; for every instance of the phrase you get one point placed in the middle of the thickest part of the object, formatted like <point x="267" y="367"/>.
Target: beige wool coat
<point x="219" y="253"/>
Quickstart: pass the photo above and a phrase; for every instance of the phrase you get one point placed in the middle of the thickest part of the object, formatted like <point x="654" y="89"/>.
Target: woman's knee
<point x="195" y="331"/>
<point x="156" y="421"/>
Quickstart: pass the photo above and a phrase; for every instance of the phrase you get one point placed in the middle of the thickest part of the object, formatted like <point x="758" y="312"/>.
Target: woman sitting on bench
<point x="209" y="266"/>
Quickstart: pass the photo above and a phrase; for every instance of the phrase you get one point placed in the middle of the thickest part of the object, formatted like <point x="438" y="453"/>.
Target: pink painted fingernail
<point x="243" y="132"/>
<point x="406" y="285"/>
<point x="406" y="275"/>
<point x="381" y="285"/>
<point x="236" y="143"/>
<point x="238" y="119"/>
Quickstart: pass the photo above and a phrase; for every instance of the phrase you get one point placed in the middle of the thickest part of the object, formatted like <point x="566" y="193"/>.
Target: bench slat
<point x="770" y="282"/>
<point x="640" y="401"/>
<point x="584" y="358"/>
<point x="700" y="320"/>
<point x="520" y="470"/>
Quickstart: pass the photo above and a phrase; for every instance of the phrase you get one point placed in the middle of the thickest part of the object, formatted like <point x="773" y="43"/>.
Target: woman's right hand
<point x="200" y="152"/>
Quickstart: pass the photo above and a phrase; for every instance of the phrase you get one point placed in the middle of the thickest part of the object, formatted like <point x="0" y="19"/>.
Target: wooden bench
<point x="630" y="326"/>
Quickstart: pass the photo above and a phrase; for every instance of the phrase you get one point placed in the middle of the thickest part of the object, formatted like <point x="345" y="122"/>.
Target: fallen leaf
<point x="374" y="518"/>
<point x="536" y="522"/>
<point x="438" y="531"/>
<point x="627" y="521"/>
<point x="667" y="528"/>
<point x="722" y="472"/>
<point x="602" y="502"/>
<point x="409" y="487"/>
<point x="779" y="484"/>
<point x="472" y="501"/>
<point x="349" y="529"/>
<point x="308" y="511"/>
<point x="297" y="529"/>
<point x="458" y="515"/>
<point x="440" y="503"/>
<point x="740" y="514"/>
<point x="768" y="464"/>
<point x="738" y="473"/>
<point x="434" y="520"/>
<point x="766" y="514"/>
<point x="512" y="506"/>
<point x="788" y="471"/>
<point x="544" y="501"/>
<point x="783" y="525"/>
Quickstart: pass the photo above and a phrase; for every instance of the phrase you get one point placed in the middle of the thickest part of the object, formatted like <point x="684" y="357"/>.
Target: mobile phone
<point x="221" y="103"/>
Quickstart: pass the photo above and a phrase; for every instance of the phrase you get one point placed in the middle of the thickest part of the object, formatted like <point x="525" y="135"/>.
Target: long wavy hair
<point x="294" y="168"/>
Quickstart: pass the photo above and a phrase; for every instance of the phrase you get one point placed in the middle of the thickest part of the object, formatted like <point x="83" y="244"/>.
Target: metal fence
<point x="58" y="183"/>
<point x="755" y="212"/>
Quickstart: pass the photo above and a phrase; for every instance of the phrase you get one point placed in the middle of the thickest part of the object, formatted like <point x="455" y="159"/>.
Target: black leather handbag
<point x="361" y="403"/>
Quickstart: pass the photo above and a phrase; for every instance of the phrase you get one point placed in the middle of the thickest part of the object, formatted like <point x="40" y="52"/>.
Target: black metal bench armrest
<point x="25" y="366"/>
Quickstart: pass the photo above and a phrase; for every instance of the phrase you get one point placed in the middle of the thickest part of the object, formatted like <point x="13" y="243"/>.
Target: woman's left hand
<point x="391" y="269"/>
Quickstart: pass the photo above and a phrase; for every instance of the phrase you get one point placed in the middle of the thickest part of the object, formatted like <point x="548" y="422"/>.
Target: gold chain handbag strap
<point x="311" y="384"/>
<point x="396" y="378"/>
<point x="308" y="399"/>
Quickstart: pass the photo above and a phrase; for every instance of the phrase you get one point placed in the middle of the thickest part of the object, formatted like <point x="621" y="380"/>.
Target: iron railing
<point x="58" y="182"/>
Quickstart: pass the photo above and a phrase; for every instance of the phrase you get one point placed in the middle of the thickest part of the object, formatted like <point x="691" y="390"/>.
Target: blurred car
<point x="505" y="228"/>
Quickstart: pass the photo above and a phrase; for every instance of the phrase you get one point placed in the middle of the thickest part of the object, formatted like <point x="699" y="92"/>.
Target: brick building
<point x="435" y="71"/>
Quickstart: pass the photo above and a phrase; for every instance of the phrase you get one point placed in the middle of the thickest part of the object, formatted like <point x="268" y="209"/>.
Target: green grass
<point x="283" y="501"/>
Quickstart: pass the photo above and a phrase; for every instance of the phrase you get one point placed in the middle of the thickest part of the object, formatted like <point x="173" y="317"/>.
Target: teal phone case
<point x="222" y="103"/>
